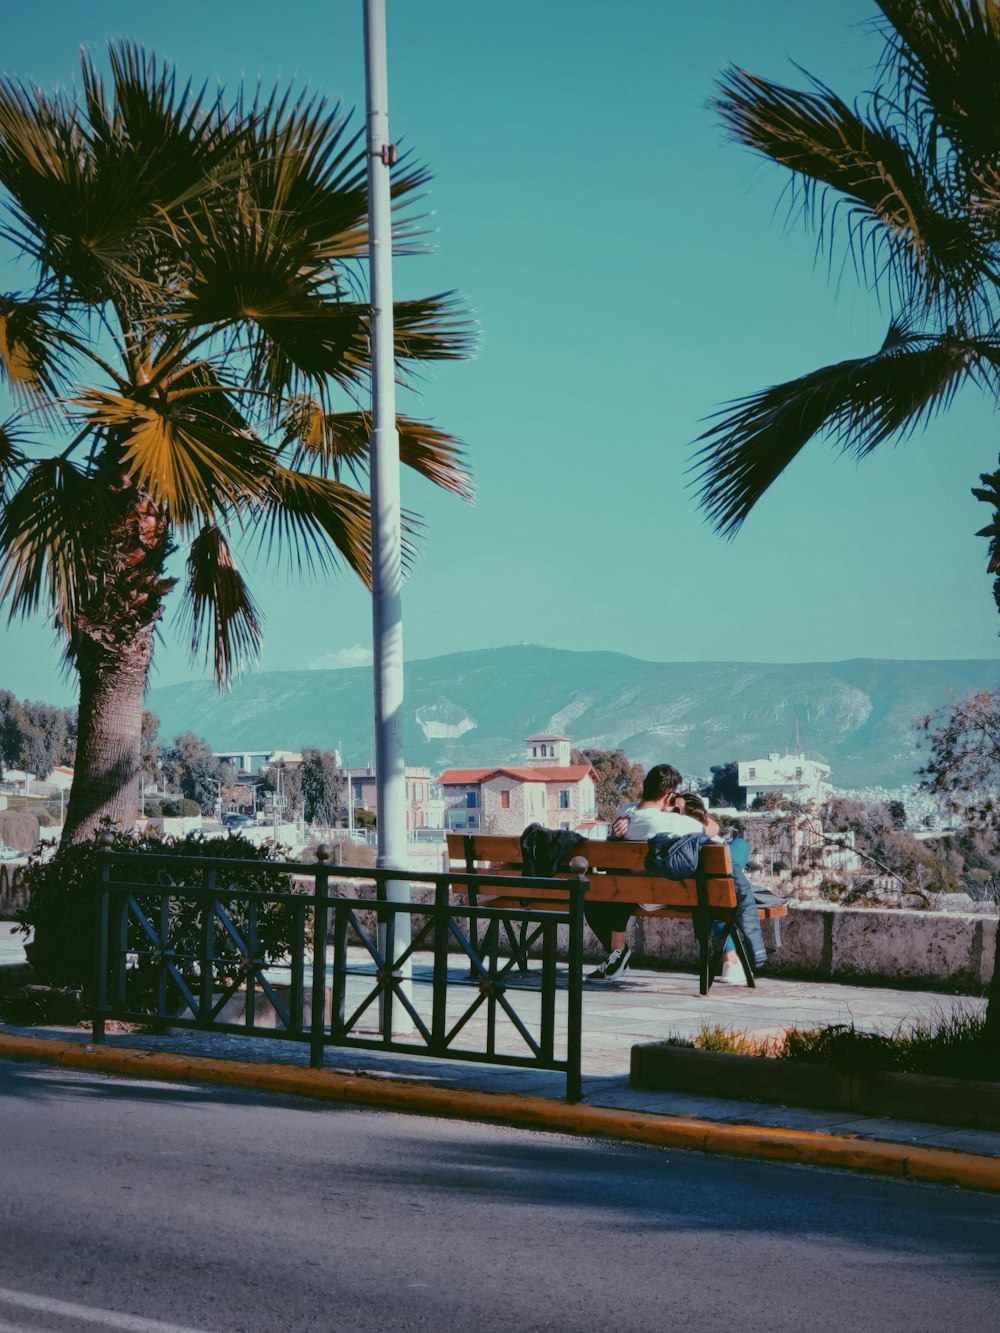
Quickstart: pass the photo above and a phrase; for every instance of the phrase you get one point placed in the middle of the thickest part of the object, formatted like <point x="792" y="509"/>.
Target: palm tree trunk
<point x="109" y="739"/>
<point x="112" y="647"/>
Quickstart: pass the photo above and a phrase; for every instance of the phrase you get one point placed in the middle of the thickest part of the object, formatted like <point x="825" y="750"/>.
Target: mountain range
<point x="476" y="708"/>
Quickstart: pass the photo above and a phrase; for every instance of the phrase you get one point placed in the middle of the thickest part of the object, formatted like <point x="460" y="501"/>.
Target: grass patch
<point x="726" y="1040"/>
<point x="949" y="1046"/>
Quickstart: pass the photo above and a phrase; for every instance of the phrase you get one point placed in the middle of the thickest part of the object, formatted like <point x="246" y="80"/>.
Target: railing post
<point x="102" y="917"/>
<point x="574" y="995"/>
<point x="317" y="1023"/>
<point x="206" y="963"/>
<point x="439" y="980"/>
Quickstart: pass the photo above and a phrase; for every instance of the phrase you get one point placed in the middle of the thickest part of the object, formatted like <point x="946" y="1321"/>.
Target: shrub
<point x="61" y="910"/>
<point x="183" y="807"/>
<point x="347" y="852"/>
<point x="19" y="828"/>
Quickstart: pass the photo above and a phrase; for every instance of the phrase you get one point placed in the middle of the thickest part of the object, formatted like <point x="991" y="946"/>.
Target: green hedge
<point x="61" y="898"/>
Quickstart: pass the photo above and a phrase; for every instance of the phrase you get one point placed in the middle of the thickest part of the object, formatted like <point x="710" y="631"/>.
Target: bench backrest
<point x="615" y="870"/>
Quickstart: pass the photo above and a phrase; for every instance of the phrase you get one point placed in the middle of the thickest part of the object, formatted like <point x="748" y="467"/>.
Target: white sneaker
<point x="732" y="974"/>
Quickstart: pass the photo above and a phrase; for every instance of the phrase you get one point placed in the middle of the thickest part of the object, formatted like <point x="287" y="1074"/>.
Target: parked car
<point x="235" y="820"/>
<point x="7" y="853"/>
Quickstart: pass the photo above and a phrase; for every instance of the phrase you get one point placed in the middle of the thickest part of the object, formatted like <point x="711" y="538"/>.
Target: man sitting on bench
<point x="609" y="921"/>
<point x="661" y="810"/>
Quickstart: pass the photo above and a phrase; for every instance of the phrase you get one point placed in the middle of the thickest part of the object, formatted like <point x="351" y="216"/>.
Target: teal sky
<point x="631" y="272"/>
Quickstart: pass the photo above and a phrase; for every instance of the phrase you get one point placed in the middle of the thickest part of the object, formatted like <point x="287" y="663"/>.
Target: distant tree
<point x="881" y="841"/>
<point x="364" y="818"/>
<point x="190" y="765"/>
<point x="618" y="780"/>
<point x="724" y="787"/>
<point x="897" y="813"/>
<point x="322" y="786"/>
<point x="35" y="736"/>
<point x="964" y="764"/>
<point x="151" y="747"/>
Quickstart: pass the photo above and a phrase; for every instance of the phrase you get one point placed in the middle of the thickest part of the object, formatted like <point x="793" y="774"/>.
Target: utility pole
<point x="350" y="790"/>
<point x="387" y="573"/>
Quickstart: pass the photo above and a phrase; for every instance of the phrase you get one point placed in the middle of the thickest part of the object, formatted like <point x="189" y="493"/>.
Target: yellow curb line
<point x="806" y="1147"/>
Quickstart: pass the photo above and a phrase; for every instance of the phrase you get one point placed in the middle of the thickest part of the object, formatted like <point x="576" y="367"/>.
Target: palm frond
<point x="95" y="196"/>
<point x="858" y="404"/>
<point x="48" y="530"/>
<point x="943" y="56"/>
<point x="310" y="167"/>
<point x="435" y="328"/>
<point x="33" y="351"/>
<point x="250" y="274"/>
<point x="185" y="458"/>
<point x="13" y="459"/>
<point x="897" y="213"/>
<point x="220" y="606"/>
<point x="314" y="523"/>
<point x="341" y="440"/>
<point x="309" y="170"/>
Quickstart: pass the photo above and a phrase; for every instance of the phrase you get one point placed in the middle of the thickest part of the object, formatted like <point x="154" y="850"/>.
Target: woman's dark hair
<point x="694" y="805"/>
<point x="661" y="780"/>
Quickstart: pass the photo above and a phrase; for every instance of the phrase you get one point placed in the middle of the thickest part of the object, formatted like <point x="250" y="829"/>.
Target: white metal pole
<point x="387" y="576"/>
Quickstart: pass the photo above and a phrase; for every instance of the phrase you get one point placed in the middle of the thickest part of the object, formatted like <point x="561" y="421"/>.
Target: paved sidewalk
<point x="645" y="1006"/>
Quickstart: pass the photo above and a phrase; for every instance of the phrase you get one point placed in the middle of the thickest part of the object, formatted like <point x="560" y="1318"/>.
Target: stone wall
<point x="946" y="951"/>
<point x="951" y="951"/>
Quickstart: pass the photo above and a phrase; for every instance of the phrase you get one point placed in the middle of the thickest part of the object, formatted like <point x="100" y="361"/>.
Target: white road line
<point x="132" y="1323"/>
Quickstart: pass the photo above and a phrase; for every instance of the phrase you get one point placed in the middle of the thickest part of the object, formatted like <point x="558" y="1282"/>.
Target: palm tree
<point x="185" y="368"/>
<point x="913" y="177"/>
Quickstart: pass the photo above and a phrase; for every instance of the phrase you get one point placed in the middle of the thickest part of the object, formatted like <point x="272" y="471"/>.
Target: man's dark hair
<point x="661" y="780"/>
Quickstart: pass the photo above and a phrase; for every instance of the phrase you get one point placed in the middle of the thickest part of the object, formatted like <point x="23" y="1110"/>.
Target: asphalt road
<point x="165" y="1209"/>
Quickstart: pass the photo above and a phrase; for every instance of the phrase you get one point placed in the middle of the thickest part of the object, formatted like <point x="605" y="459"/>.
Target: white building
<point x="789" y="776"/>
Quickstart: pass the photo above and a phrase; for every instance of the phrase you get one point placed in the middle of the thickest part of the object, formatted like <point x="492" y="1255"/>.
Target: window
<point x="473" y="821"/>
<point x="798" y="775"/>
<point x="471" y="799"/>
<point x="505" y="800"/>
<point x="534" y="752"/>
<point x="564" y="798"/>
<point x="751" y="773"/>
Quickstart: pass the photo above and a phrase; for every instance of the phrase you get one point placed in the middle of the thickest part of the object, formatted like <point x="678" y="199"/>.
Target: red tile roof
<point x="464" y="776"/>
<point x="470" y="776"/>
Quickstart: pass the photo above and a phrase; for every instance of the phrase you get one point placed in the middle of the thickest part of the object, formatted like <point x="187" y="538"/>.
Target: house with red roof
<point x="546" y="789"/>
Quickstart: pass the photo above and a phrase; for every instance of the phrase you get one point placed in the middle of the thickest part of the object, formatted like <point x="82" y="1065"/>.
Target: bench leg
<point x="744" y="956"/>
<point x="703" y="934"/>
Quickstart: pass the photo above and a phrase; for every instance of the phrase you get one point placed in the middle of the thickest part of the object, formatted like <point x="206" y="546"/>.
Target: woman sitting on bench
<point x="661" y="809"/>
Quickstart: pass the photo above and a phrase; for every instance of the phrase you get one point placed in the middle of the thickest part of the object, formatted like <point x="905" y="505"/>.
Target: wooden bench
<point x="616" y="873"/>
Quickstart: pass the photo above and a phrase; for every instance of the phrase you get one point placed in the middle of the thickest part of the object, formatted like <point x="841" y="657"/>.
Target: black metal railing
<point x="194" y="949"/>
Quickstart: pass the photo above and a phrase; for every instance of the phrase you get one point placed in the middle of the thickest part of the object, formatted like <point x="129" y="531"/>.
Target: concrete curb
<point x="910" y="1162"/>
